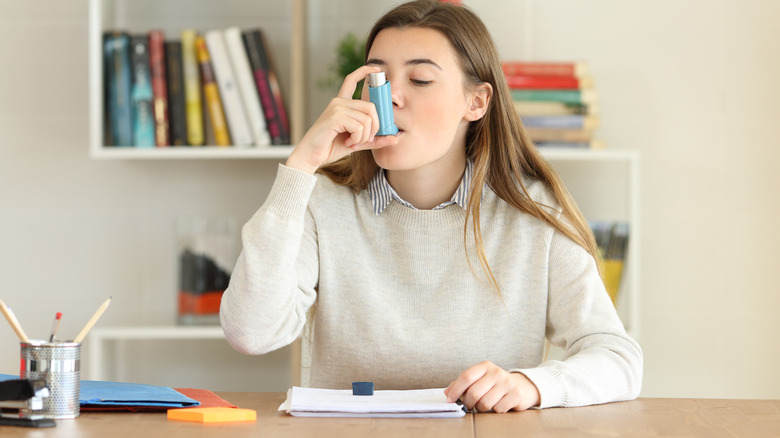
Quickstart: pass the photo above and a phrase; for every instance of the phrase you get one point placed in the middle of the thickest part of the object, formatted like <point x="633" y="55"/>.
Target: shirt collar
<point x="382" y="193"/>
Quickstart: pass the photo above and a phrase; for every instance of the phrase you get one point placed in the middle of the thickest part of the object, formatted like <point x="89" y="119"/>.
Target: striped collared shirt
<point x="382" y="193"/>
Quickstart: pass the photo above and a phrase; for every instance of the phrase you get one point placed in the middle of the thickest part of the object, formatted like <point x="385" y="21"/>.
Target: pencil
<point x="92" y="321"/>
<point x="9" y="315"/>
<point x="55" y="326"/>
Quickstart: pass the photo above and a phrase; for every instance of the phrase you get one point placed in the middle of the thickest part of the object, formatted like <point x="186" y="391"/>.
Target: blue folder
<point x="99" y="393"/>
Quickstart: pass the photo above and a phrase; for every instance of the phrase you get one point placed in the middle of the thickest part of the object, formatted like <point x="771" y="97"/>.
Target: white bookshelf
<point x="605" y="185"/>
<point x="190" y="153"/>
<point x="285" y="26"/>
<point x="104" y="343"/>
<point x="182" y="356"/>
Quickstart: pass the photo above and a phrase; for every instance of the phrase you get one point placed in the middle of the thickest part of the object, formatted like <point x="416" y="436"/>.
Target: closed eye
<point x="420" y="82"/>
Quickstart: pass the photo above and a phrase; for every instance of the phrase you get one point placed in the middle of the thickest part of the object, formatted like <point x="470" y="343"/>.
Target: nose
<point x="396" y="93"/>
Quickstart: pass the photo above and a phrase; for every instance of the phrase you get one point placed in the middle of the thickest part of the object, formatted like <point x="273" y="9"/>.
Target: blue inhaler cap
<point x="380" y="95"/>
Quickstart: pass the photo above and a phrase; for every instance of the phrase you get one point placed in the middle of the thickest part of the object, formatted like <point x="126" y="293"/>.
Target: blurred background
<point x="692" y="85"/>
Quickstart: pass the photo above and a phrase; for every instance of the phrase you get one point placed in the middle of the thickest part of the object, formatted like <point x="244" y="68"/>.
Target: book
<point x="99" y="395"/>
<point x="204" y="397"/>
<point x="415" y="403"/>
<point x="142" y="98"/>
<point x="267" y="86"/>
<point x="556" y="101"/>
<point x="612" y="241"/>
<point x="559" y="135"/>
<point x="192" y="89"/>
<point x="570" y="121"/>
<point x="548" y="108"/>
<point x="106" y="119"/>
<point x="176" y="105"/>
<point x="614" y="260"/>
<point x="527" y="68"/>
<point x="276" y="89"/>
<point x="593" y="144"/>
<point x="118" y="87"/>
<point x="588" y="96"/>
<point x="211" y="94"/>
<point x="228" y="89"/>
<point x="526" y="82"/>
<point x="159" y="87"/>
<point x="122" y="394"/>
<point x="246" y="85"/>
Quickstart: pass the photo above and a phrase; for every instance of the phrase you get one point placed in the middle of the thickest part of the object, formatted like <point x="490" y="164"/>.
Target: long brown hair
<point x="504" y="157"/>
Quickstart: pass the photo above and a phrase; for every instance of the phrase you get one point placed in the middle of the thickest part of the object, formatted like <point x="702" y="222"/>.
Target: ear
<point x="479" y="101"/>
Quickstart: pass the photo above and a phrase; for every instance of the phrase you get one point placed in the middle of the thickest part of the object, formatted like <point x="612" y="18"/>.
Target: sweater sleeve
<point x="601" y="362"/>
<point x="273" y="283"/>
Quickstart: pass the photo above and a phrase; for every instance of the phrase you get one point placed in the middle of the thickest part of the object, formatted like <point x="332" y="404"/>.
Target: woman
<point x="442" y="256"/>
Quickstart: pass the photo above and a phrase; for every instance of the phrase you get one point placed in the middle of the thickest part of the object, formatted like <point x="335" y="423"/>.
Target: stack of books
<point x="557" y="102"/>
<point x="218" y="88"/>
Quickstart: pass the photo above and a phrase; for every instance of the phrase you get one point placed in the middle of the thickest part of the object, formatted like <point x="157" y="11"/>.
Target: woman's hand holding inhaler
<point x="345" y="126"/>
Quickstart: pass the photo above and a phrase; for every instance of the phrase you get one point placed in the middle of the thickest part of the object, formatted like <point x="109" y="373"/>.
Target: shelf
<point x="588" y="155"/>
<point x="101" y="338"/>
<point x="281" y="152"/>
<point x="187" y="153"/>
<point x="157" y="332"/>
<point x="606" y="186"/>
<point x="284" y="21"/>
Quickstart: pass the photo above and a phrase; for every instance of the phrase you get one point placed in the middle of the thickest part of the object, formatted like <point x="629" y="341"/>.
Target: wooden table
<point x="639" y="418"/>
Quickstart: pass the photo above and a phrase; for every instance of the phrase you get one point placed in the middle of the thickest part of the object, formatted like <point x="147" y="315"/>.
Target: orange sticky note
<point x="212" y="415"/>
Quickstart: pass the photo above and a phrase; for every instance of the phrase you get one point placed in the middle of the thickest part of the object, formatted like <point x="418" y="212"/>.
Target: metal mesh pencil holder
<point x="59" y="363"/>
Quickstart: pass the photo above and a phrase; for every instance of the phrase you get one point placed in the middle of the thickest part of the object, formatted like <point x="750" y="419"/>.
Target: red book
<point x="529" y="68"/>
<point x="267" y="86"/>
<point x="276" y="89"/>
<point x="519" y="82"/>
<point x="207" y="398"/>
<point x="159" y="87"/>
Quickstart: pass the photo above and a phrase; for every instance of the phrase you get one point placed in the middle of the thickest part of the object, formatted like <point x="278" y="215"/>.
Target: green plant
<point x="349" y="56"/>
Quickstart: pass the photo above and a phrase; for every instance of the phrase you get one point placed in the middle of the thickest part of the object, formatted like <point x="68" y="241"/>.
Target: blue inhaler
<point x="379" y="94"/>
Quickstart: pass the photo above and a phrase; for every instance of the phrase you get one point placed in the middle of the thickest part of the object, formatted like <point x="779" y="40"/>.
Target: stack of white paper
<point x="313" y="402"/>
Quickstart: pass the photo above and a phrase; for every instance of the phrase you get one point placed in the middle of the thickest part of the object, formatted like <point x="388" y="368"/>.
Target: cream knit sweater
<point x="397" y="303"/>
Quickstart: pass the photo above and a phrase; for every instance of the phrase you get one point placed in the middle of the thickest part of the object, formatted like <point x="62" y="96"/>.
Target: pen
<point x="9" y="315"/>
<point x="92" y="321"/>
<point x="55" y="326"/>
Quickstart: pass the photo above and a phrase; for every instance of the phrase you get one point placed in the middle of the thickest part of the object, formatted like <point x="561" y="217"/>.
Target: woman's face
<point x="430" y="101"/>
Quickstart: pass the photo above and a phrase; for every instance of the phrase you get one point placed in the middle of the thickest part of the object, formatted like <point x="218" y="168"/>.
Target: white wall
<point x="691" y="84"/>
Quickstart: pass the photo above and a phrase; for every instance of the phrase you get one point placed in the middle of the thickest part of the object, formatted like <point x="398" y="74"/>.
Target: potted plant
<point x="350" y="53"/>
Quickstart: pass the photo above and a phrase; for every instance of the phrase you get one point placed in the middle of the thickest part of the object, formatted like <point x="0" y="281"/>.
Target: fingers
<point x="502" y="397"/>
<point x="346" y="125"/>
<point x="482" y="395"/>
<point x="368" y="117"/>
<point x="377" y="142"/>
<point x="487" y="387"/>
<point x="467" y="378"/>
<point x="506" y="404"/>
<point x="355" y="118"/>
<point x="350" y="82"/>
